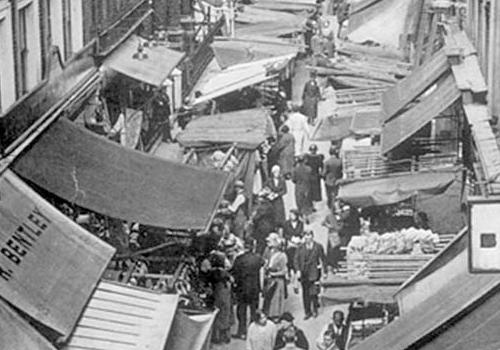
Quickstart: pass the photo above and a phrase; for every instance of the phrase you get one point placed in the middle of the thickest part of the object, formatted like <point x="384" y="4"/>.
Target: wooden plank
<point x="468" y="75"/>
<point x="119" y="317"/>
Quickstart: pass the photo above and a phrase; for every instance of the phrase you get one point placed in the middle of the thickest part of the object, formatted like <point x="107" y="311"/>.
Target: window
<point x="68" y="47"/>
<point x="23" y="47"/>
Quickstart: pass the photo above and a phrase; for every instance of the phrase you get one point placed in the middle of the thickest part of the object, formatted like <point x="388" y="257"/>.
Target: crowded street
<point x="249" y="174"/>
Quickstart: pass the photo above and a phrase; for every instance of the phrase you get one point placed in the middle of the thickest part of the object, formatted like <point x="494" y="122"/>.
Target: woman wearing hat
<point x="277" y="185"/>
<point x="274" y="283"/>
<point x="315" y="161"/>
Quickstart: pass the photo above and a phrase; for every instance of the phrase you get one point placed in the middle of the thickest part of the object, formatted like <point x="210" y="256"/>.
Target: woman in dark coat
<point x="263" y="222"/>
<point x="315" y="161"/>
<point x="286" y="148"/>
<point x="276" y="183"/>
<point x="220" y="282"/>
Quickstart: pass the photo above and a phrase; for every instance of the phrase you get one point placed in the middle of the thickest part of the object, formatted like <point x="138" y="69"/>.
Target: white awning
<point x="153" y="68"/>
<point x="218" y="82"/>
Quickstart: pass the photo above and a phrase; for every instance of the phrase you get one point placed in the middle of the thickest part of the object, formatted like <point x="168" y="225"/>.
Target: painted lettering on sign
<point x="22" y="240"/>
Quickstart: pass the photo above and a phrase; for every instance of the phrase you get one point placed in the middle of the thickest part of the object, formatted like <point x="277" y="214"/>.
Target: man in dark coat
<point x="161" y="114"/>
<point x="286" y="325"/>
<point x="246" y="274"/>
<point x="301" y="177"/>
<point x="263" y="222"/>
<point x="308" y="257"/>
<point x="332" y="173"/>
<point x="315" y="162"/>
<point x="310" y="98"/>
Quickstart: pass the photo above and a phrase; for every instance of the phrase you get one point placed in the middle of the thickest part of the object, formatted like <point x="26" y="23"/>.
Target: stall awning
<point x="236" y="51"/>
<point x="17" y="334"/>
<point x="408" y="89"/>
<point x="394" y="189"/>
<point x="392" y="15"/>
<point x="92" y="172"/>
<point x="120" y="317"/>
<point x="152" y="69"/>
<point x="366" y="122"/>
<point x="191" y="331"/>
<point x="332" y="128"/>
<point x="49" y="265"/>
<point x="265" y="22"/>
<point x="246" y="128"/>
<point x="464" y="314"/>
<point x="405" y="125"/>
<point x="219" y="82"/>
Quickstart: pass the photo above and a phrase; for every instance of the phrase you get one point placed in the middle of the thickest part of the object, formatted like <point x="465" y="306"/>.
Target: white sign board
<point x="49" y="266"/>
<point x="484" y="240"/>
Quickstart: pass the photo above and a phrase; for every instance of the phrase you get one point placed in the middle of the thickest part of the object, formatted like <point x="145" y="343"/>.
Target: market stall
<point x="396" y="238"/>
<point x="228" y="141"/>
<point x="130" y="318"/>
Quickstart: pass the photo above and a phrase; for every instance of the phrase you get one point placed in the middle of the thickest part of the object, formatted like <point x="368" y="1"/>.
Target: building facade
<point x="483" y="27"/>
<point x="28" y="29"/>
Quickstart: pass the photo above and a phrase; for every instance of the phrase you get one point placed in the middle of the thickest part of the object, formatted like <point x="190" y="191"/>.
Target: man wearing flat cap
<point x="286" y="325"/>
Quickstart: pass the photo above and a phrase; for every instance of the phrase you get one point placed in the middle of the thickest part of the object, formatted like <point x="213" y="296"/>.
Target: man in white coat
<point x="299" y="128"/>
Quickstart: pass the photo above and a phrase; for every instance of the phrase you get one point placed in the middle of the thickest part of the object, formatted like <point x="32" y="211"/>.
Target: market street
<point x="293" y="304"/>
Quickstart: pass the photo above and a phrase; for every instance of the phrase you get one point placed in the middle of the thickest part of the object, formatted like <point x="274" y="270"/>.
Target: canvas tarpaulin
<point x="120" y="317"/>
<point x="400" y="128"/>
<point x="246" y="128"/>
<point x="268" y="23"/>
<point x="408" y="89"/>
<point x="190" y="332"/>
<point x="333" y="128"/>
<point x="237" y="51"/>
<point x="392" y="15"/>
<point x="394" y="189"/>
<point x="92" y="172"/>
<point x="153" y="69"/>
<point x="17" y="334"/>
<point x="216" y="82"/>
<point x="49" y="265"/>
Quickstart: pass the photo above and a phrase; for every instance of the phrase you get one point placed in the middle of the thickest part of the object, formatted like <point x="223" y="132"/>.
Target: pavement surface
<point x="293" y="304"/>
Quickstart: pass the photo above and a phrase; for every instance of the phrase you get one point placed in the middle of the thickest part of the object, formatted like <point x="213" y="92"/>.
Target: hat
<point x="313" y="147"/>
<point x="286" y="316"/>
<point x="239" y="183"/>
<point x="274" y="239"/>
<point x="217" y="222"/>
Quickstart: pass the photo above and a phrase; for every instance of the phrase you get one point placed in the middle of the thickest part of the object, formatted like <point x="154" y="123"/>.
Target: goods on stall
<point x="215" y="160"/>
<point x="405" y="241"/>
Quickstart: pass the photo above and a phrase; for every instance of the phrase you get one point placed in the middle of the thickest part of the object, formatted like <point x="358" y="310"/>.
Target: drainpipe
<point x="15" y="41"/>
